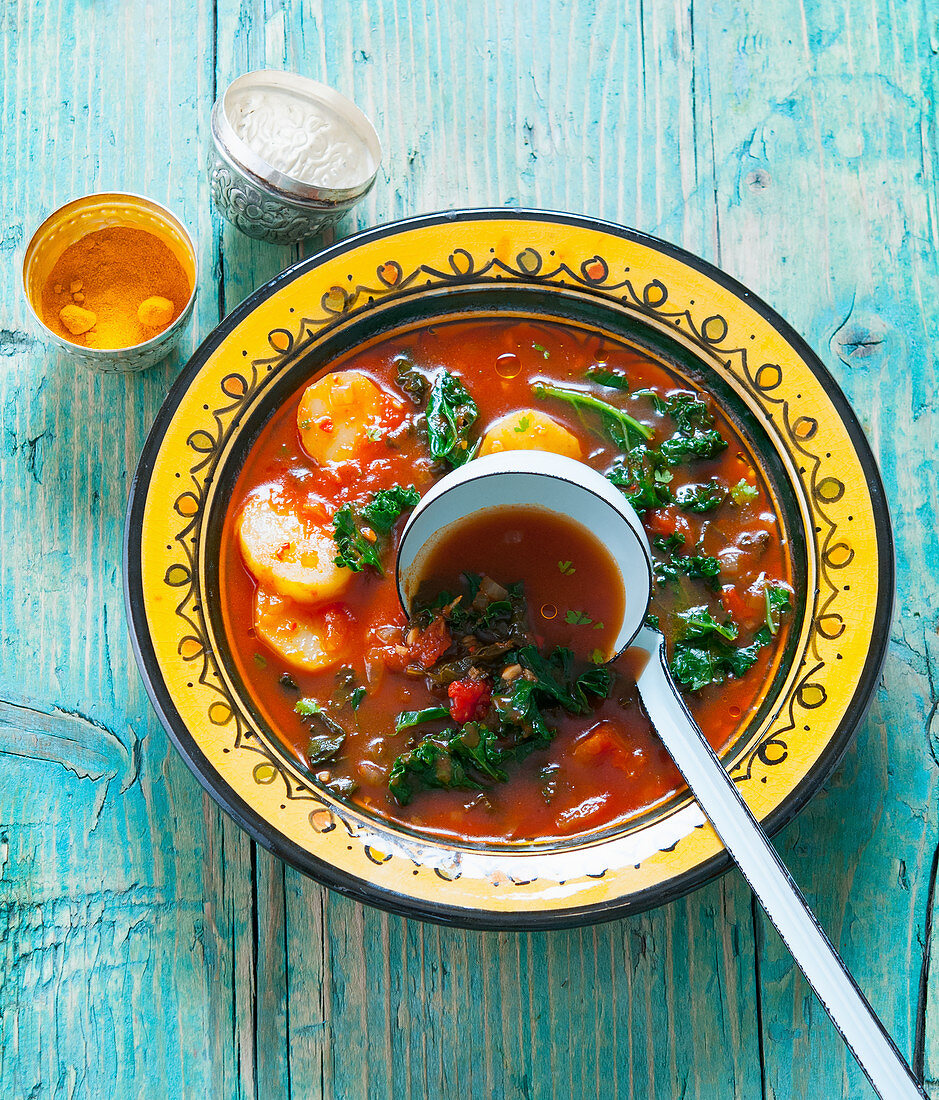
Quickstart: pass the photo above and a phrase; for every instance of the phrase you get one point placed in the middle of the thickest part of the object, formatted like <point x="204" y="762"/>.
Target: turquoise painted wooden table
<point x="148" y="947"/>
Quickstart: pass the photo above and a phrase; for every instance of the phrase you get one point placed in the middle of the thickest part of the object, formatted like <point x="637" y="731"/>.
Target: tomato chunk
<point x="734" y="602"/>
<point x="469" y="700"/>
<point x="746" y="608"/>
<point x="668" y="521"/>
<point x="605" y="744"/>
<point x="430" y="645"/>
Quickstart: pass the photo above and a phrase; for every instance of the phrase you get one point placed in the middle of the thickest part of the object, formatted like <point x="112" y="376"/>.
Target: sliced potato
<point x="336" y="412"/>
<point x="289" y="553"/>
<point x="530" y="430"/>
<point x="308" y="638"/>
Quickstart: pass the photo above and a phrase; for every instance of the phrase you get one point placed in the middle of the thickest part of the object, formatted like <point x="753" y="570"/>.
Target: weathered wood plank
<point x="115" y="921"/>
<point x="826" y="146"/>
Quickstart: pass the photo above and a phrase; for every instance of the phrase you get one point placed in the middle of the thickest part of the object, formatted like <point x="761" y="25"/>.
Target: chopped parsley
<point x="577" y="618"/>
<point x="743" y="493"/>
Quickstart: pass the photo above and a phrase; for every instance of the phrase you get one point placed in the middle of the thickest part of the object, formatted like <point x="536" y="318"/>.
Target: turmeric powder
<point x="110" y="274"/>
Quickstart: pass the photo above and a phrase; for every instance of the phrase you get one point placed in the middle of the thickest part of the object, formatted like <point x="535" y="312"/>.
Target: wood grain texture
<point x="147" y="947"/>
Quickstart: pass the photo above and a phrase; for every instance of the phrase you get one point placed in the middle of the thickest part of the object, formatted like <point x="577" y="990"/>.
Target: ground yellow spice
<point x="114" y="288"/>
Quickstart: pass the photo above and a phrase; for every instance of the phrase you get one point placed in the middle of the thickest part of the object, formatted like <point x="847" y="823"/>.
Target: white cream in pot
<point x="300" y="137"/>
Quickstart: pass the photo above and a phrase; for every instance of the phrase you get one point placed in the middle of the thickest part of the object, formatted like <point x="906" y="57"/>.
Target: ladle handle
<point x="744" y="839"/>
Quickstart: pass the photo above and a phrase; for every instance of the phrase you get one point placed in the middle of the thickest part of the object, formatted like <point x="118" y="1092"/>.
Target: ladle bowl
<point x="533" y="479"/>
<point x="526" y="479"/>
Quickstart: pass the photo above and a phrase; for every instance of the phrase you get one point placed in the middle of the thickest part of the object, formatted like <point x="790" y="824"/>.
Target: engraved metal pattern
<point x="258" y="214"/>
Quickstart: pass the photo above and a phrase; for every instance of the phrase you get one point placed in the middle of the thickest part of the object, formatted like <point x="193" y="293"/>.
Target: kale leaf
<point x="624" y="430"/>
<point x="348" y="691"/>
<point x="518" y="710"/>
<point x="471" y="757"/>
<point x="556" y="679"/>
<point x="696" y="566"/>
<point x="450" y="760"/>
<point x="689" y="412"/>
<point x="710" y="661"/>
<point x="322" y="748"/>
<point x="777" y="602"/>
<point x="410" y="380"/>
<point x="408" y="718"/>
<point x="703" y="497"/>
<point x="644" y="477"/>
<point x="704" y="654"/>
<point x="451" y="412"/>
<point x="387" y="504"/>
<point x="491" y="634"/>
<point x="612" y="379"/>
<point x="683" y="448"/>
<point x="659" y="403"/>
<point x="698" y="622"/>
<point x="356" y="549"/>
<point x="696" y="437"/>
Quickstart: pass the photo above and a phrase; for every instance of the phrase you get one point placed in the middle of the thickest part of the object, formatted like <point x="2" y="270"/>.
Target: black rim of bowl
<point x="360" y="889"/>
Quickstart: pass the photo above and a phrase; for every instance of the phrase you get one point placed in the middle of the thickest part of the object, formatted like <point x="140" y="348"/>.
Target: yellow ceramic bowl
<point x="642" y="291"/>
<point x="77" y="219"/>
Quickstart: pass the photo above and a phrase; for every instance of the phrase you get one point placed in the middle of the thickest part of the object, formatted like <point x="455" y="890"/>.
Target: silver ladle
<point x="569" y="488"/>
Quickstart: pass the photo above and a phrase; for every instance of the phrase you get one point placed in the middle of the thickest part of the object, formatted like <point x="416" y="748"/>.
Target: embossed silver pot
<point x="259" y="199"/>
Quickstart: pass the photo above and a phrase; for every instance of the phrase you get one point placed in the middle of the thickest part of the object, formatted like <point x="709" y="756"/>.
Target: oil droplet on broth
<point x="549" y="611"/>
<point x="508" y="365"/>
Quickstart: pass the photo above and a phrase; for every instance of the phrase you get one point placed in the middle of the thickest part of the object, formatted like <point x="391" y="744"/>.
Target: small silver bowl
<point x="277" y="201"/>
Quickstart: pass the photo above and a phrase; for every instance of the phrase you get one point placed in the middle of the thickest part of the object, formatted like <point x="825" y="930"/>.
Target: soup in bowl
<point x="470" y="718"/>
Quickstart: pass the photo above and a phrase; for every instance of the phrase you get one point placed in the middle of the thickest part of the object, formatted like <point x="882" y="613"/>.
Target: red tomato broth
<point x="610" y="764"/>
